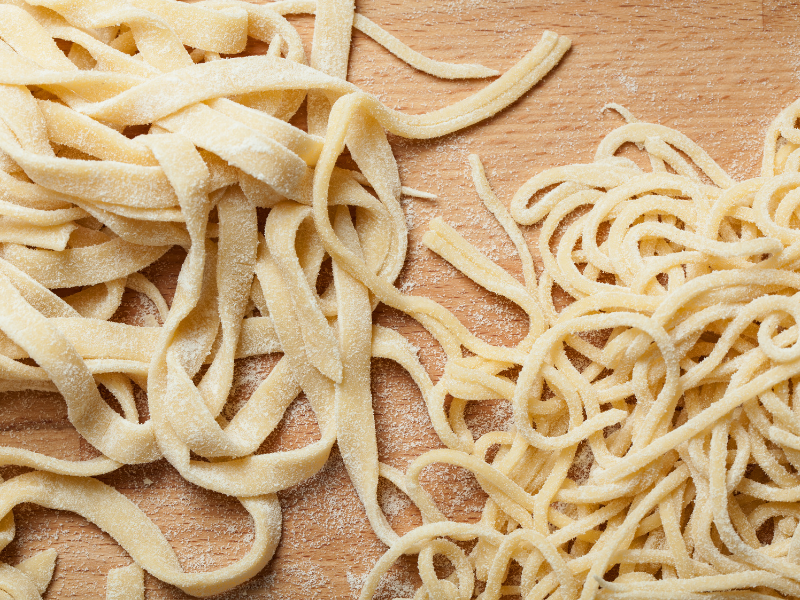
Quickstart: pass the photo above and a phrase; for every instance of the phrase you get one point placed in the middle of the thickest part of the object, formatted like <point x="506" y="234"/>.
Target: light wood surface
<point x="718" y="71"/>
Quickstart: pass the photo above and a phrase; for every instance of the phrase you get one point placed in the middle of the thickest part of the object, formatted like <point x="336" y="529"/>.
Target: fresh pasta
<point x="127" y="128"/>
<point x="87" y="204"/>
<point x="674" y="364"/>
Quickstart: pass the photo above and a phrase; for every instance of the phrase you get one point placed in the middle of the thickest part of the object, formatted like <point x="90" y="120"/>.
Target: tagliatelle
<point x="656" y="433"/>
<point x="86" y="206"/>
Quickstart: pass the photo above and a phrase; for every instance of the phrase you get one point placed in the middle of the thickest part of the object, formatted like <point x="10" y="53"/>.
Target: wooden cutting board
<point x="717" y="71"/>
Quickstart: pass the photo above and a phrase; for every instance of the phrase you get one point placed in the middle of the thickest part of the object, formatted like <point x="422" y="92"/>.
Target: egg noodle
<point x="655" y="451"/>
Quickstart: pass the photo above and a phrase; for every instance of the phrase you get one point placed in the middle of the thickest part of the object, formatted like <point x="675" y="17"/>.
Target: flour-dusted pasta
<point x="87" y="202"/>
<point x="656" y="438"/>
<point x="675" y="364"/>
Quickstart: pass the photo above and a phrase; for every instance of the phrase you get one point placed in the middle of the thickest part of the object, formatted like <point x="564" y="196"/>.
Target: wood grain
<point x="718" y="71"/>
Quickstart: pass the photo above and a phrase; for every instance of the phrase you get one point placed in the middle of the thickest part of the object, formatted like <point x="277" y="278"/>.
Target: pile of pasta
<point x="655" y="446"/>
<point x="655" y="451"/>
<point x="127" y="128"/>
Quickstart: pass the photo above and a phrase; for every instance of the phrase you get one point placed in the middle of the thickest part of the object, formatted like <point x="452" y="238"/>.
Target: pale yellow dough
<point x="82" y="205"/>
<point x="674" y="367"/>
